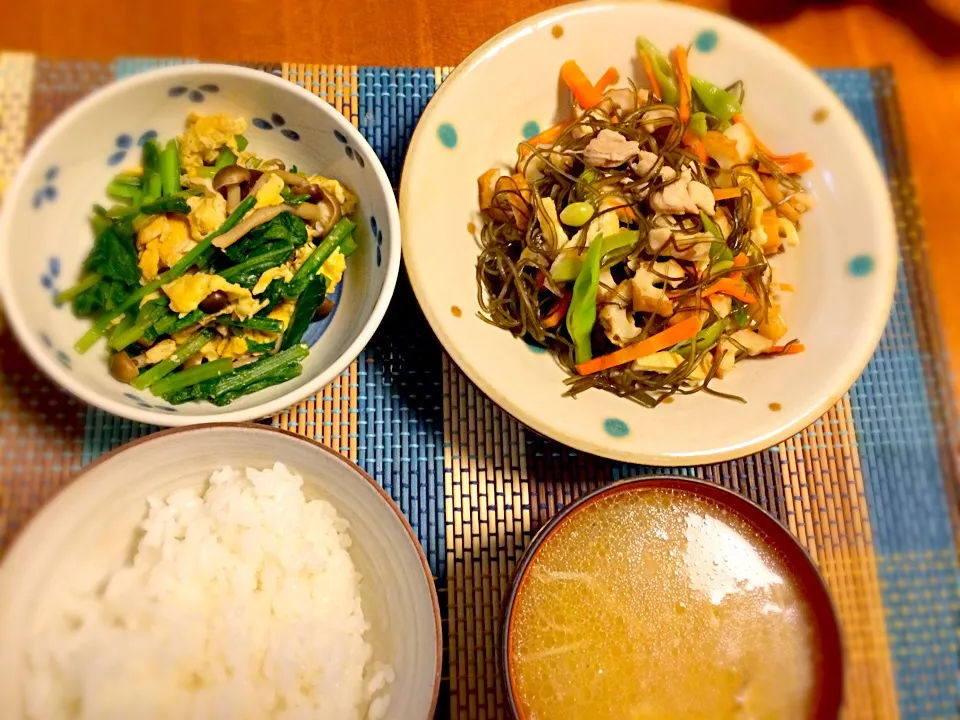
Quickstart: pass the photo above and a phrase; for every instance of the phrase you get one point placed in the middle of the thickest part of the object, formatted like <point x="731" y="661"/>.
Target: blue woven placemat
<point x="869" y="488"/>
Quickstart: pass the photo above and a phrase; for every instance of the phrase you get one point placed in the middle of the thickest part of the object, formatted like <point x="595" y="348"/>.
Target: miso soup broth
<point x="658" y="603"/>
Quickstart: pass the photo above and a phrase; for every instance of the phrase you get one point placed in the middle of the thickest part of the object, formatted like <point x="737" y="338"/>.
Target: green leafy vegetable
<point x="170" y="169"/>
<point x="303" y="313"/>
<point x="255" y="323"/>
<point x="285" y="228"/>
<point x="147" y="317"/>
<point x="281" y="375"/>
<point x="259" y="370"/>
<point x="249" y="271"/>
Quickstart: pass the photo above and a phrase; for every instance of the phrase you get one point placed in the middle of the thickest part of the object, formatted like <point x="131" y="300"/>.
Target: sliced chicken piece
<point x="752" y="342"/>
<point x="665" y="238"/>
<point x="682" y="195"/>
<point x="610" y="149"/>
<point x="645" y="164"/>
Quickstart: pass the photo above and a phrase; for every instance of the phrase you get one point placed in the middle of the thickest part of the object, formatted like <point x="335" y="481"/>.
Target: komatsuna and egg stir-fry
<point x="207" y="272"/>
<point x="633" y="239"/>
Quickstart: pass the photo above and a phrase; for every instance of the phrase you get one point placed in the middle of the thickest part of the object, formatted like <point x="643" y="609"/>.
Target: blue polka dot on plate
<point x="530" y="129"/>
<point x="706" y="41"/>
<point x="615" y="427"/>
<point x="448" y="135"/>
<point x="860" y="266"/>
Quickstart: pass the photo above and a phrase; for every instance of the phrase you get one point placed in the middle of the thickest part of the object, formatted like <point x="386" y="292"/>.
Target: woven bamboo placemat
<point x="869" y="489"/>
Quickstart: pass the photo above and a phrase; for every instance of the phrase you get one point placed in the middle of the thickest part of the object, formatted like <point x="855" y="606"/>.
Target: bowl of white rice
<point x="220" y="571"/>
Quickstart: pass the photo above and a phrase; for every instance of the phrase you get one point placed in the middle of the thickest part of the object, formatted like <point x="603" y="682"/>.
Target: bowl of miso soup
<point x="667" y="598"/>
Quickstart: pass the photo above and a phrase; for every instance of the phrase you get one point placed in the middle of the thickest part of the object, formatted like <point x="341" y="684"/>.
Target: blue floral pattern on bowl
<point x="276" y="121"/>
<point x="124" y="143"/>
<point x="49" y="279"/>
<point x="197" y="94"/>
<point x="61" y="357"/>
<point x="48" y="191"/>
<point x="350" y="152"/>
<point x="147" y="405"/>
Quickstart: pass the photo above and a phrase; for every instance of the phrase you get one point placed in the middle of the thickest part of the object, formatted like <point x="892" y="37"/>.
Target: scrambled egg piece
<point x="161" y="351"/>
<point x="228" y="347"/>
<point x="332" y="269"/>
<point x="187" y="292"/>
<point x="207" y="213"/>
<point x="269" y="194"/>
<point x="283" y="312"/>
<point x="204" y="137"/>
<point x="284" y="272"/>
<point x="162" y="242"/>
<point x="336" y="189"/>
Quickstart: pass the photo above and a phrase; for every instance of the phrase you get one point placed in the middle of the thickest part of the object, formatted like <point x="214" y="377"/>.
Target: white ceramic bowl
<point x="45" y="233"/>
<point x="89" y="529"/>
<point x="844" y="271"/>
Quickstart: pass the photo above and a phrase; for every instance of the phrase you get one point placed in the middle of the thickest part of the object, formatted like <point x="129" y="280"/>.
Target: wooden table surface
<point x="920" y="38"/>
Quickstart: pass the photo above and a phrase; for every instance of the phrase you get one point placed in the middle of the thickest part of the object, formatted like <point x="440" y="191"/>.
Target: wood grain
<point x="921" y="39"/>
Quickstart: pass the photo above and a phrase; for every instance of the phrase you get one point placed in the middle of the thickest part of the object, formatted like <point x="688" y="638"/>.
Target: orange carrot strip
<point x="727" y="193"/>
<point x="794" y="164"/>
<point x="558" y="312"/>
<point x="543" y="137"/>
<point x="683" y="330"/>
<point x="651" y="76"/>
<point x="739" y="260"/>
<point x="791" y="349"/>
<point x="583" y="90"/>
<point x="683" y="81"/>
<point x="733" y="288"/>
<point x="607" y="79"/>
<point x="768" y="221"/>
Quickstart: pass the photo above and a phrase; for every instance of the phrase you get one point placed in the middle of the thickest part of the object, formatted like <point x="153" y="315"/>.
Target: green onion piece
<point x="148" y="316"/>
<point x="165" y="205"/>
<point x="253" y="323"/>
<point x="349" y="246"/>
<point x="242" y="142"/>
<point x="70" y="293"/>
<point x="128" y="179"/>
<point x="183" y="353"/>
<point x="191" y="376"/>
<point x="182" y="323"/>
<point x="124" y="192"/>
<point x="186" y="262"/>
<point x="259" y="370"/>
<point x="226" y="157"/>
<point x="318" y="257"/>
<point x="206" y="171"/>
<point x="287" y="372"/>
<point x="170" y="168"/>
<point x="258" y="263"/>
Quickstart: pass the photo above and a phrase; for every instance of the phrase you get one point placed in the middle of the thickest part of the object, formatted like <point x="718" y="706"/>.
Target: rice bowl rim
<point x="254" y="427"/>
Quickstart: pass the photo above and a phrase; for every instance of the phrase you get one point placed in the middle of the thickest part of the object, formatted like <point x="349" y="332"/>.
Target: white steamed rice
<point x="241" y="602"/>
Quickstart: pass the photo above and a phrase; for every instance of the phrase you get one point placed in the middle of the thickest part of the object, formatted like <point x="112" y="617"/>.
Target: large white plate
<point x="844" y="271"/>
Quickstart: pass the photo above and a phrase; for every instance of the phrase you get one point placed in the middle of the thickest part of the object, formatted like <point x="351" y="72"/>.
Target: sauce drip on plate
<point x="653" y="603"/>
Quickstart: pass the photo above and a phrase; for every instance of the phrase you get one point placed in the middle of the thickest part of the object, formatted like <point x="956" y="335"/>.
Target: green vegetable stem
<point x="298" y="283"/>
<point x="582" y="314"/>
<point x="183" y="353"/>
